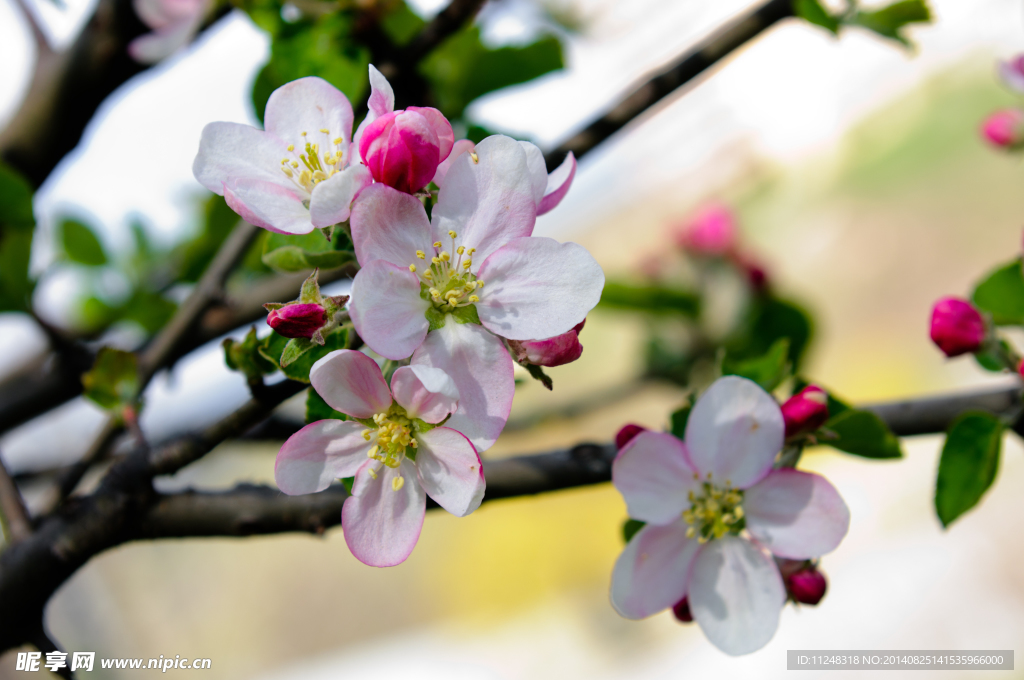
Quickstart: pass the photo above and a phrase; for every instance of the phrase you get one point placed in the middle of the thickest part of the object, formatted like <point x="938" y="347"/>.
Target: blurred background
<point x="860" y="183"/>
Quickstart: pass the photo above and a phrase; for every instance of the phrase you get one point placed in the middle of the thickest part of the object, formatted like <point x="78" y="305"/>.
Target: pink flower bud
<point x="297" y="321"/>
<point x="807" y="586"/>
<point x="403" y="148"/>
<point x="711" y="231"/>
<point x="556" y="351"/>
<point x="681" y="610"/>
<point x="1004" y="128"/>
<point x="957" y="327"/>
<point x="626" y="434"/>
<point x="1020" y="369"/>
<point x="805" y="411"/>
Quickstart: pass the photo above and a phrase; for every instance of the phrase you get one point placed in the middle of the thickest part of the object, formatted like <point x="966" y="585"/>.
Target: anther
<point x="303" y="134"/>
<point x="366" y="435"/>
<point x="472" y="154"/>
<point x="460" y="250"/>
<point x="338" y="140"/>
<point x="452" y="234"/>
<point x="420" y="254"/>
<point x="397" y="483"/>
<point x="467" y="264"/>
<point x="291" y="147"/>
<point x="295" y="164"/>
<point x="323" y="130"/>
<point x="474" y="298"/>
<point x="445" y="256"/>
<point x="412" y="268"/>
<point x="372" y="472"/>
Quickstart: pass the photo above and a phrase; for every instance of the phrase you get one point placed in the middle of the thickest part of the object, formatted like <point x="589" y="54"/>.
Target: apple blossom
<point x="557" y="351"/>
<point x="713" y="508"/>
<point x="393" y="445"/>
<point x="957" y="327"/>
<point x="1004" y="128"/>
<point x="297" y="321"/>
<point x="805" y="411"/>
<point x="174" y="24"/>
<point x="447" y="291"/>
<point x="295" y="175"/>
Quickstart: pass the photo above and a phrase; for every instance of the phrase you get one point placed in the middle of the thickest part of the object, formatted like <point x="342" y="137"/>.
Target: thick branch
<point x="684" y="69"/>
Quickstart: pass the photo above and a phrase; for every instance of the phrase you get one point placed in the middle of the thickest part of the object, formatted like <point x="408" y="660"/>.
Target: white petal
<point x="538" y="170"/>
<point x="382" y="525"/>
<point x="538" y="288"/>
<point x="389" y="225"/>
<point x="332" y="199"/>
<point x="382" y="97"/>
<point x="425" y="392"/>
<point x="796" y="514"/>
<point x="734" y="432"/>
<point x="482" y="370"/>
<point x="651" y="573"/>
<point x="450" y="470"/>
<point x="387" y="310"/>
<point x="351" y="382"/>
<point x="160" y="44"/>
<point x="558" y="185"/>
<point x="654" y="477"/>
<point x="488" y="202"/>
<point x="318" y="454"/>
<point x="736" y="595"/>
<point x="231" y="151"/>
<point x="265" y="204"/>
<point x="309" y="105"/>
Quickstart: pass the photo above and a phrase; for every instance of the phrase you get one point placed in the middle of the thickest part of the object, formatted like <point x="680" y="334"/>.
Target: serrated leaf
<point x="295" y="348"/>
<point x="649" y="298"/>
<point x="968" y="465"/>
<point x="862" y="433"/>
<point x="1001" y="294"/>
<point x="113" y="380"/>
<point x="768" y="371"/>
<point x="318" y="409"/>
<point x="630" y="528"/>
<point x="812" y="11"/>
<point x="80" y="243"/>
<point x="300" y="368"/>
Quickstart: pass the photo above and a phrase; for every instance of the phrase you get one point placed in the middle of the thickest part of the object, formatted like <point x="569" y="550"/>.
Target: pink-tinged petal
<point x="796" y="514"/>
<point x="269" y="205"/>
<point x="332" y="199"/>
<point x="382" y="97"/>
<point x="736" y="595"/>
<point x="425" y="392"/>
<point x="734" y="432"/>
<point x="160" y="14"/>
<point x="487" y="202"/>
<point x="413" y="152"/>
<point x="482" y="370"/>
<point x="318" y="454"/>
<point x="351" y="382"/>
<point x="231" y="151"/>
<point x="373" y="142"/>
<point x="441" y="127"/>
<point x="654" y="477"/>
<point x="387" y="310"/>
<point x="389" y="225"/>
<point x="450" y="470"/>
<point x="462" y="146"/>
<point x="557" y="351"/>
<point x="538" y="170"/>
<point x="651" y="573"/>
<point x="158" y="45"/>
<point x="538" y="288"/>
<point x="1012" y="73"/>
<point x="382" y="525"/>
<point x="558" y="185"/>
<point x="309" y="105"/>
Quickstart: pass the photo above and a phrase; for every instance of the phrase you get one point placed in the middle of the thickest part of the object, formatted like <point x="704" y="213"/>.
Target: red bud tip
<point x="1004" y="129"/>
<point x="805" y="411"/>
<point x="297" y="321"/>
<point x="957" y="327"/>
<point x="807" y="586"/>
<point x="626" y="434"/>
<point x="681" y="610"/>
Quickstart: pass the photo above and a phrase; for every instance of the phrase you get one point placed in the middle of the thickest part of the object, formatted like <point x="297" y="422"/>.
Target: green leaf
<point x="402" y="24"/>
<point x="113" y="380"/>
<point x="771" y="319"/>
<point x="649" y="298"/>
<point x="318" y="409"/>
<point x="300" y="368"/>
<point x="16" y="230"/>
<point x="1001" y="294"/>
<point x="80" y="243"/>
<point x="291" y="253"/>
<point x="968" y="466"/>
<point x="812" y="11"/>
<point x="890" y="21"/>
<point x="247" y="357"/>
<point x="862" y="433"/>
<point x="678" y="421"/>
<point x="295" y="348"/>
<point x="272" y="347"/>
<point x="768" y="371"/>
<point x="462" y="68"/>
<point x="150" y="310"/>
<point x="630" y="527"/>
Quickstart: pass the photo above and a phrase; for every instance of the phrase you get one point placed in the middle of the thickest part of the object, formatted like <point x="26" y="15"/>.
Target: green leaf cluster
<point x="889" y="22"/>
<point x="113" y="380"/>
<point x="17" y="224"/>
<point x="302" y="252"/>
<point x="649" y="298"/>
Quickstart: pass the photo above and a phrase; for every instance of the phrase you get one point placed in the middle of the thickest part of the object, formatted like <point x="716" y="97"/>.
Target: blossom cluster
<point x="453" y="298"/>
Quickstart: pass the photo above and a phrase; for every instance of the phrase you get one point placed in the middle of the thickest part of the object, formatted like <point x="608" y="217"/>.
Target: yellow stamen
<point x="460" y="250"/>
<point x="412" y="268"/>
<point x="323" y="130"/>
<point x="436" y="244"/>
<point x="420" y="254"/>
<point x="472" y="154"/>
<point x="366" y="435"/>
<point x="452" y="234"/>
<point x="474" y="298"/>
<point x="291" y="147"/>
<point x="338" y="140"/>
<point x="397" y="483"/>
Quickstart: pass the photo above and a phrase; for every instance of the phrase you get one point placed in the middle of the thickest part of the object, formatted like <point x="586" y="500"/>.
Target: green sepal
<point x="537" y="373"/>
<point x="347" y="482"/>
<point x="630" y="528"/>
<point x="890" y="21"/>
<point x="467" y="314"/>
<point x="113" y="380"/>
<point x="968" y="465"/>
<point x="247" y="356"/>
<point x="678" y="420"/>
<point x="435" y="318"/>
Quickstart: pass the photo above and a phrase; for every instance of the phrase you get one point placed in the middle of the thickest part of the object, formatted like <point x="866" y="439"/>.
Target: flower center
<point x="394" y="439"/>
<point x="447" y="279"/>
<point x="717" y="511"/>
<point x="306" y="169"/>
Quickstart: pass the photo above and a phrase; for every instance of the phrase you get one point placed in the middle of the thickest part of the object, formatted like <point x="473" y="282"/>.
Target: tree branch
<point x="16" y="524"/>
<point x="684" y="69"/>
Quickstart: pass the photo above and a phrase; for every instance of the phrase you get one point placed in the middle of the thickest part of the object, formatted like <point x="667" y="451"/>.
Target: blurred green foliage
<point x="17" y="224"/>
<point x="113" y="381"/>
<point x="968" y="465"/>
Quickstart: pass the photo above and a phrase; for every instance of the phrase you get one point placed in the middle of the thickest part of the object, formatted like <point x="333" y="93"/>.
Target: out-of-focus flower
<point x="807" y="585"/>
<point x="626" y="433"/>
<point x="957" y="327"/>
<point x="698" y="497"/>
<point x="557" y="351"/>
<point x="174" y="24"/>
<point x="681" y="610"/>
<point x="805" y="411"/>
<point x="391" y="446"/>
<point x="1004" y="128"/>
<point x="1012" y="72"/>
<point x="298" y="320"/>
<point x="710" y="231"/>
<point x="297" y="174"/>
<point x="445" y="290"/>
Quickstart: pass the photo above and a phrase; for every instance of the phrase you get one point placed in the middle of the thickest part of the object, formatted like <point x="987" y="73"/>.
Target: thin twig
<point x="17" y="525"/>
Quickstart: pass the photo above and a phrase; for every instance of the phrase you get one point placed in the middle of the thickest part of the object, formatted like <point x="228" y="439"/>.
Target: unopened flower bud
<point x="805" y="411"/>
<point x="626" y="434"/>
<point x="297" y="321"/>
<point x="403" y="148"/>
<point x="957" y="327"/>
<point x="1004" y="128"/>
<point x="807" y="586"/>
<point x="556" y="351"/>
<point x="711" y="231"/>
<point x="681" y="610"/>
